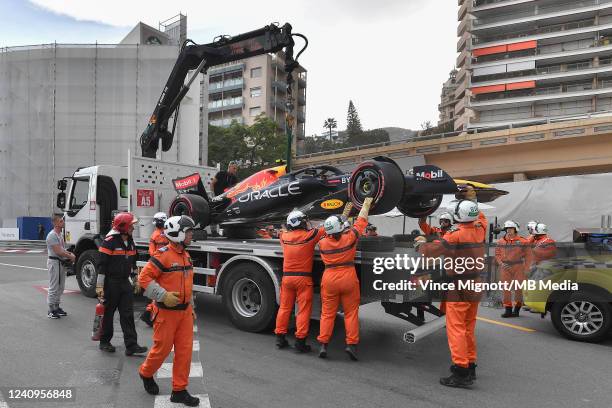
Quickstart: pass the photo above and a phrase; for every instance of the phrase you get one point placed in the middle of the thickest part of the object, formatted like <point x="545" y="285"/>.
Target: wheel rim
<point x="366" y="184"/>
<point x="88" y="274"/>
<point x="246" y="297"/>
<point x="582" y="318"/>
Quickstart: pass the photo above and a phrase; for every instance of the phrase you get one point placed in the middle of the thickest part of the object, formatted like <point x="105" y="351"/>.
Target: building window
<point x="255" y="92"/>
<point x="256" y="72"/>
<point x="255" y="110"/>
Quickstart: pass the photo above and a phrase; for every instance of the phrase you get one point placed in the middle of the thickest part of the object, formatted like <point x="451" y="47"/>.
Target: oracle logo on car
<point x="286" y="190"/>
<point x="332" y="204"/>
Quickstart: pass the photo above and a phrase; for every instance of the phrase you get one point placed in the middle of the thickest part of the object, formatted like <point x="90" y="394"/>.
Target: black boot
<point x="150" y="385"/>
<point x="136" y="349"/>
<point x="508" y="312"/>
<point x="146" y="317"/>
<point x="184" y="397"/>
<point x="323" y="350"/>
<point x="301" y="346"/>
<point x="460" y="378"/>
<point x="472" y="369"/>
<point x="109" y="348"/>
<point x="351" y="350"/>
<point x="281" y="341"/>
<point x="516" y="310"/>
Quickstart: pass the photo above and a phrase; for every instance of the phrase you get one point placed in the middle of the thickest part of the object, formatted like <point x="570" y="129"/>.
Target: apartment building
<point x="524" y="62"/>
<point x="448" y="100"/>
<point x="241" y="91"/>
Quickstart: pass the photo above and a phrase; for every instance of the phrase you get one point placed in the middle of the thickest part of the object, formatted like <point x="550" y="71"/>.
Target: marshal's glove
<point x="365" y="208"/>
<point x="99" y="292"/>
<point x="171" y="299"/>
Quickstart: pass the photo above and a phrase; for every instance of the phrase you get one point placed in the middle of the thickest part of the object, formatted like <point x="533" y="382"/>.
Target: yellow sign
<point x="332" y="204"/>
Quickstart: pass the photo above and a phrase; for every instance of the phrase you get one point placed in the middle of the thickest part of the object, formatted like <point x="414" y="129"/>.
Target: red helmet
<point x="122" y="222"/>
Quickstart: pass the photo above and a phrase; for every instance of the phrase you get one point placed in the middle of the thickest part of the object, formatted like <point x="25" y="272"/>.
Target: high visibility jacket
<point x="543" y="248"/>
<point x="157" y="240"/>
<point x="464" y="240"/>
<point x="484" y="223"/>
<point x="117" y="260"/>
<point x="430" y="230"/>
<point x="298" y="250"/>
<point x="169" y="270"/>
<point x="513" y="251"/>
<point x="341" y="253"/>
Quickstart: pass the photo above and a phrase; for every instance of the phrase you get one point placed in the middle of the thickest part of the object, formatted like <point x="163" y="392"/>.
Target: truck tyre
<point x="249" y="297"/>
<point x="87" y="272"/>
<point x="585" y="317"/>
<point x="381" y="180"/>
<point x="376" y="244"/>
<point x="193" y="206"/>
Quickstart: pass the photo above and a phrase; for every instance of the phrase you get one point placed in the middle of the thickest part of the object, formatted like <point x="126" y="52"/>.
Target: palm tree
<point x="330" y="124"/>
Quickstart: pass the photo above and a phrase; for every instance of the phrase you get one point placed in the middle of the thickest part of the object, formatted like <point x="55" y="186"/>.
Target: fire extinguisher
<point x="96" y="333"/>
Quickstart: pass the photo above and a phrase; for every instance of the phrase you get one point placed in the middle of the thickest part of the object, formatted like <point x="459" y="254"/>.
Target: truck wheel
<point x="87" y="272"/>
<point x="585" y="317"/>
<point x="376" y="244"/>
<point x="380" y="180"/>
<point x="249" y="297"/>
<point x="193" y="206"/>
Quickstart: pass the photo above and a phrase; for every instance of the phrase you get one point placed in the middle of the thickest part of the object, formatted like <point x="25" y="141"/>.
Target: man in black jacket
<point x="117" y="261"/>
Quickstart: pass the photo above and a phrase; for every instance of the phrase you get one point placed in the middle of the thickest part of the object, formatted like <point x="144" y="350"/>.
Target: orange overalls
<point x="157" y="241"/>
<point x="543" y="248"/>
<point x="513" y="256"/>
<point x="340" y="283"/>
<point x="466" y="241"/>
<point x="298" y="254"/>
<point x="170" y="269"/>
<point x="429" y="230"/>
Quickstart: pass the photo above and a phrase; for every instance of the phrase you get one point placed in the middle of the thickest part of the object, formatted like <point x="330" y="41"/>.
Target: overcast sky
<point x="389" y="56"/>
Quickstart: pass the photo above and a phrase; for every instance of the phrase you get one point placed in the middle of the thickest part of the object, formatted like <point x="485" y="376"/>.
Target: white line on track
<point x="163" y="401"/>
<point x="23" y="266"/>
<point x="165" y="371"/>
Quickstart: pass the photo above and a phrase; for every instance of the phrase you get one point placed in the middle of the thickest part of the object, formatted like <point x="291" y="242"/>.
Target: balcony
<point x="228" y="85"/>
<point x="301" y="100"/>
<point x="279" y="85"/>
<point x="226" y="121"/>
<point x="277" y="104"/>
<point x="227" y="68"/>
<point x="460" y="106"/>
<point x="549" y="93"/>
<point x="539" y="12"/>
<point x="463" y="59"/>
<point x="462" y="11"/>
<point x="564" y="29"/>
<point x="463" y="41"/>
<point x="301" y="118"/>
<point x="301" y="83"/>
<point x="225" y="104"/>
<point x="464" y="26"/>
<point x="486" y="4"/>
<point x="461" y="87"/>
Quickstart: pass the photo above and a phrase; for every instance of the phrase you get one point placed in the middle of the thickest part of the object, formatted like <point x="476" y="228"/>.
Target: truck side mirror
<point x="61" y="200"/>
<point x="61" y="185"/>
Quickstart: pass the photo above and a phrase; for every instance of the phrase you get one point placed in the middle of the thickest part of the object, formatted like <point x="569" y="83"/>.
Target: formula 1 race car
<point x="269" y="195"/>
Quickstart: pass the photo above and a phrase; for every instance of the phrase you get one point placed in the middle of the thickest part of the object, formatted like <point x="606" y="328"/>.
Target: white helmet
<point x="540" y="229"/>
<point x="159" y="219"/>
<point x="511" y="224"/>
<point x="296" y="219"/>
<point x="446" y="216"/>
<point x="334" y="224"/>
<point x="464" y="211"/>
<point x="531" y="226"/>
<point x="176" y="227"/>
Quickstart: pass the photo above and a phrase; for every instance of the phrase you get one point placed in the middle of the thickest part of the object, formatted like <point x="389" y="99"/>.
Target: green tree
<point x="330" y="124"/>
<point x="353" y="124"/>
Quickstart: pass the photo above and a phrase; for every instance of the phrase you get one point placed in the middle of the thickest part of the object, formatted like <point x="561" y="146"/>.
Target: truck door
<point x="78" y="217"/>
<point x="106" y="198"/>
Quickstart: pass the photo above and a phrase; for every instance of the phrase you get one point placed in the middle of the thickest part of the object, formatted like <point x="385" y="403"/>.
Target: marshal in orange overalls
<point x="158" y="240"/>
<point x="514" y="258"/>
<point x="340" y="283"/>
<point x="171" y="270"/>
<point x="298" y="253"/>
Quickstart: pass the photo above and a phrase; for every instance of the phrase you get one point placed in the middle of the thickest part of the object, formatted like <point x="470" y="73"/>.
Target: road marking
<point x="163" y="401"/>
<point x="45" y="289"/>
<point x="196" y="346"/>
<point x="512" y="326"/>
<point x="195" y="329"/>
<point x="165" y="371"/>
<point x="23" y="266"/>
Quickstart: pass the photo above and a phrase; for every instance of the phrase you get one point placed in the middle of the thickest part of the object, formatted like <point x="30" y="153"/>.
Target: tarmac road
<point x="527" y="365"/>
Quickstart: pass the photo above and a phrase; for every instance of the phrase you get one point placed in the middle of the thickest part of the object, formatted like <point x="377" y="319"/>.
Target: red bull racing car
<point x="268" y="196"/>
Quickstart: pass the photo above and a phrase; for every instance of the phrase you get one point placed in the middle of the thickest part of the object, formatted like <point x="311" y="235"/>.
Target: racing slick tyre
<point x="249" y="297"/>
<point x="381" y="180"/>
<point x="419" y="205"/>
<point x="193" y="206"/>
<point x="87" y="272"/>
<point x="376" y="244"/>
<point x="585" y="317"/>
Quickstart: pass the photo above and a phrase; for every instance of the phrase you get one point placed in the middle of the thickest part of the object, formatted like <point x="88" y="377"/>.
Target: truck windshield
<point x="80" y="194"/>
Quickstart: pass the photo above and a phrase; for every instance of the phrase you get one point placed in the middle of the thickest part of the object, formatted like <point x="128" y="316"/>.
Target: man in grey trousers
<point x="57" y="273"/>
